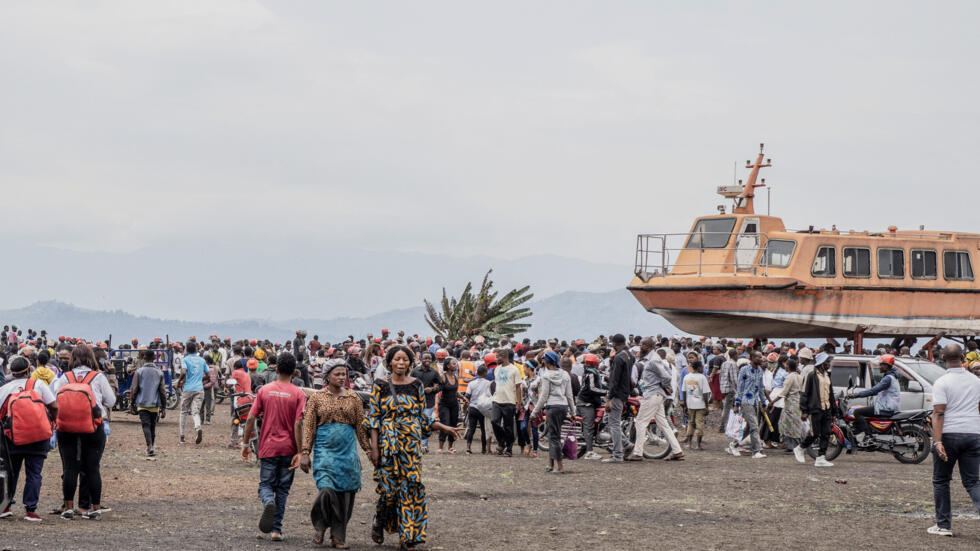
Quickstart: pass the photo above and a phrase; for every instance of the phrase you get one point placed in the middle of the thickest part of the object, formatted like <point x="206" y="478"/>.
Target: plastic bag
<point x="734" y="427"/>
<point x="483" y="404"/>
<point x="570" y="447"/>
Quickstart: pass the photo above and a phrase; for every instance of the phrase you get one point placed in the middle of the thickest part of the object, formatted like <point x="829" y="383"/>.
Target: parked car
<point x="916" y="378"/>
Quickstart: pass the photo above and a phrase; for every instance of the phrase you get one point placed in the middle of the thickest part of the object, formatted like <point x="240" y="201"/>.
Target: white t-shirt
<point x="506" y="377"/>
<point x="695" y="387"/>
<point x="959" y="390"/>
<point x="478" y="387"/>
<point x="17" y="385"/>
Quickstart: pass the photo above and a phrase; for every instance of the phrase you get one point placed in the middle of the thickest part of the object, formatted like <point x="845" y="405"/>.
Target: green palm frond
<point x="480" y="313"/>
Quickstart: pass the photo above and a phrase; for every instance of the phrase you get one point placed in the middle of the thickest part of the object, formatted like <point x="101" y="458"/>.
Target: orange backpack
<point x="25" y="417"/>
<point x="77" y="410"/>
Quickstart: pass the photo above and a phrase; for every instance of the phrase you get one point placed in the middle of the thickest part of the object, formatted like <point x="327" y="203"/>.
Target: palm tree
<point x="482" y="313"/>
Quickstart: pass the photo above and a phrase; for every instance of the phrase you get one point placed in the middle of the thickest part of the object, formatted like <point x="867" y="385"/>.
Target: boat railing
<point x="933" y="236"/>
<point x="657" y="254"/>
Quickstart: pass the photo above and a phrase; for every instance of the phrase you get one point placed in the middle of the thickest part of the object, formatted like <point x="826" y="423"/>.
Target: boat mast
<point x="743" y="203"/>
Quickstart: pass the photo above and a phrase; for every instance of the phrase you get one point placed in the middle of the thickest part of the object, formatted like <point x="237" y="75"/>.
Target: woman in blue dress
<point x="397" y="427"/>
<point x="333" y="425"/>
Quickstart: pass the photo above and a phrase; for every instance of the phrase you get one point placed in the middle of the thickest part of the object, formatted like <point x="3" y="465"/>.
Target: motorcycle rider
<point x="888" y="394"/>
<point x="588" y="400"/>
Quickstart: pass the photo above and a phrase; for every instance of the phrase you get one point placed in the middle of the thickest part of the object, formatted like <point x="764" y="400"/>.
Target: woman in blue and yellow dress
<point x="397" y="426"/>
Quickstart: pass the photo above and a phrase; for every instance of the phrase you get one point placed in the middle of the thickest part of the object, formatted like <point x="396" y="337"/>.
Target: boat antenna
<point x="743" y="203"/>
<point x="768" y="198"/>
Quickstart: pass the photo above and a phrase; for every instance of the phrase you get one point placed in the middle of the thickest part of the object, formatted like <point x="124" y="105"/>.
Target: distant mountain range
<point x="200" y="281"/>
<point x="566" y="315"/>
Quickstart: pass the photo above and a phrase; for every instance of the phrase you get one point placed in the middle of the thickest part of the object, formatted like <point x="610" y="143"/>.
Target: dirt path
<point x="204" y="497"/>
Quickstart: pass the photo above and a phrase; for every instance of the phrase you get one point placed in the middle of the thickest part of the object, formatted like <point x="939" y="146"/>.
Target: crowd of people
<point x="317" y="402"/>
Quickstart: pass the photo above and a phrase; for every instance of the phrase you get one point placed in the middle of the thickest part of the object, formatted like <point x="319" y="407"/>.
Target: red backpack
<point x="25" y="417"/>
<point x="77" y="410"/>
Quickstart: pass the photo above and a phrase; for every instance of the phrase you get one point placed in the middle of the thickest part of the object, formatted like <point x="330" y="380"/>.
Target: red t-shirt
<point x="281" y="405"/>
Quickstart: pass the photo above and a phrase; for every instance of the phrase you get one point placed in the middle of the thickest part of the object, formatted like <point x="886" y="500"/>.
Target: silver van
<point x="916" y="378"/>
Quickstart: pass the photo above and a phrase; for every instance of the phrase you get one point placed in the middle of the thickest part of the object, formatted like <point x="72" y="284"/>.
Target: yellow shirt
<point x="824" y="383"/>
<point x="44" y="374"/>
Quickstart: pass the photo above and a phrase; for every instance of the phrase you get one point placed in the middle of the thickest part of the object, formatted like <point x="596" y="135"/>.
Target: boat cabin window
<point x="857" y="262"/>
<point x="956" y="265"/>
<point x="825" y="263"/>
<point x="711" y="233"/>
<point x="891" y="263"/>
<point x="923" y="264"/>
<point x="779" y="253"/>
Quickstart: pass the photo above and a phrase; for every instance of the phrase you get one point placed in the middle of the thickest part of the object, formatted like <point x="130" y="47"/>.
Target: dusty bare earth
<point x="204" y="497"/>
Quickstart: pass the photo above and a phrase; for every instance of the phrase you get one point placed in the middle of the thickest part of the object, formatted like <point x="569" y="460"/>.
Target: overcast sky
<point x="503" y="128"/>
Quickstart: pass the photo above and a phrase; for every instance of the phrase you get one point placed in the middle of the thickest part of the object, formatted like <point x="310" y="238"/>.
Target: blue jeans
<point x="964" y="448"/>
<point x="527" y="427"/>
<point x="275" y="479"/>
<point x="428" y="413"/>
<point x="32" y="478"/>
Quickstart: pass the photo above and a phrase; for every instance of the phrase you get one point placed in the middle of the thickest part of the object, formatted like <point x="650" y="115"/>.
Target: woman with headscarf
<point x="397" y="427"/>
<point x="791" y="419"/>
<point x="556" y="400"/>
<point x="333" y="425"/>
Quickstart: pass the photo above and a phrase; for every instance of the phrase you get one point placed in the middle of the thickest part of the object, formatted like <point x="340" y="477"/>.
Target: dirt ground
<point x="204" y="497"/>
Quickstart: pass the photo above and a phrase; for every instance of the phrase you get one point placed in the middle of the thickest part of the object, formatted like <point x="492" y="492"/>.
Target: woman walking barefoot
<point x="332" y="426"/>
<point x="397" y="427"/>
<point x="448" y="402"/>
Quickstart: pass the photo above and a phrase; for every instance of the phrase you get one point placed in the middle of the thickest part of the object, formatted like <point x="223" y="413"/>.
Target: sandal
<point x="469" y="451"/>
<point x="533" y="455"/>
<point x="337" y="544"/>
<point x="407" y="547"/>
<point x="377" y="533"/>
<point x="318" y="537"/>
<point x="452" y="451"/>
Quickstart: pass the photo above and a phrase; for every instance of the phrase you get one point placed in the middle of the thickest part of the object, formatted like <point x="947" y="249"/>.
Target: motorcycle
<point x="656" y="445"/>
<point x="906" y="435"/>
<point x="241" y="416"/>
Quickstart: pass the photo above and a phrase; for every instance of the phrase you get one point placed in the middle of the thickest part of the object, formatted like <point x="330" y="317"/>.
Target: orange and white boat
<point x="745" y="275"/>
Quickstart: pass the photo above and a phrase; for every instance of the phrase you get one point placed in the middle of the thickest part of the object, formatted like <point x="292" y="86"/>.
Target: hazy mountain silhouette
<point x="198" y="281"/>
<point x="567" y="315"/>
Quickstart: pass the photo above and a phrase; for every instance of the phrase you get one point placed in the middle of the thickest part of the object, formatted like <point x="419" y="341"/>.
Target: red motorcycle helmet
<point x="490" y="360"/>
<point x="887" y="359"/>
<point x="590" y="360"/>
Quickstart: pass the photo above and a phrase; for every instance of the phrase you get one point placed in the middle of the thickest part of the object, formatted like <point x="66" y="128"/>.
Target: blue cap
<point x="551" y="357"/>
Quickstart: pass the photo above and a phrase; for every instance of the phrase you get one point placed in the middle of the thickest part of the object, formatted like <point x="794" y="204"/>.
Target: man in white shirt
<point x="506" y="395"/>
<point x="956" y="433"/>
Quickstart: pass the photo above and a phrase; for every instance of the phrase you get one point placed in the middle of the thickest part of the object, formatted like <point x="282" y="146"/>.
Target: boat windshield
<point x="711" y="233"/>
<point x="927" y="370"/>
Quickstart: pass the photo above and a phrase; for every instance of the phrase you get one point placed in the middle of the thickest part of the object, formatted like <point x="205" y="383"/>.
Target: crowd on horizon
<point x="317" y="401"/>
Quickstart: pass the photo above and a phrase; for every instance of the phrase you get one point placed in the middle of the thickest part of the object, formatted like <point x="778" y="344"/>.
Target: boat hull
<point x="751" y="311"/>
